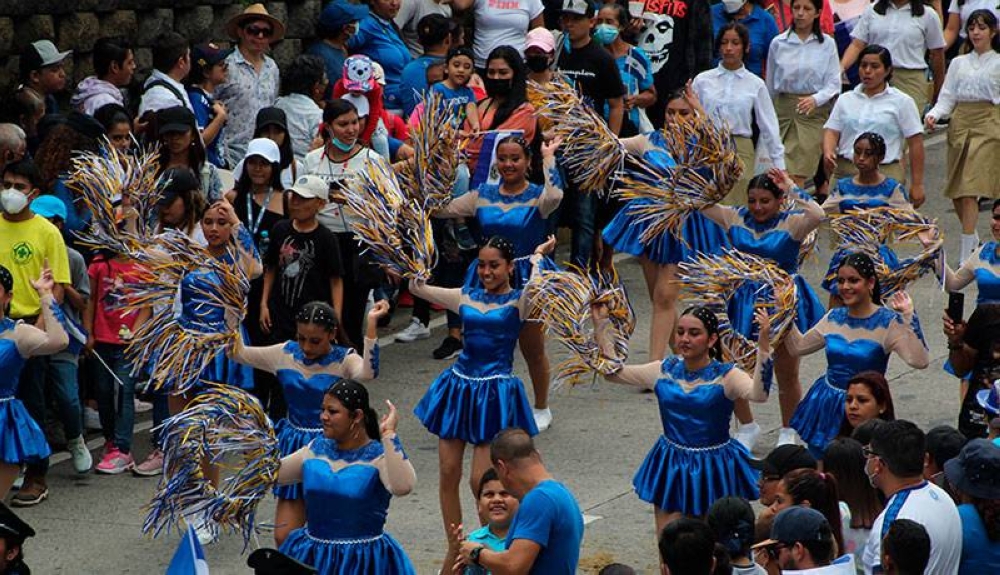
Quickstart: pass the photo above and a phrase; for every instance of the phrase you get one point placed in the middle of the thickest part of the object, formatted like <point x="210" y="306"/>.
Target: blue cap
<point x="795" y="524"/>
<point x="49" y="207"/>
<point x="341" y="13"/>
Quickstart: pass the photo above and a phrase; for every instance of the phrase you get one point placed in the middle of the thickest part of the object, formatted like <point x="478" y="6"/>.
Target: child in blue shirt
<point x="455" y="90"/>
<point x="208" y="70"/>
<point x="496" y="511"/>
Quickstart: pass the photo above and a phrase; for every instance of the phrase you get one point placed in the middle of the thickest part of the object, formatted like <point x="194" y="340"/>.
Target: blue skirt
<point x="701" y="236"/>
<point x="21" y="440"/>
<point x="381" y="555"/>
<point x="522" y="272"/>
<point x="690" y="480"/>
<point x="830" y="280"/>
<point x="808" y="308"/>
<point x="290" y="440"/>
<point x="819" y="415"/>
<point x="474" y="409"/>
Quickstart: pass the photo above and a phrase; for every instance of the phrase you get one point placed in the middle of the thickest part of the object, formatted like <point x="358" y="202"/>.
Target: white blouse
<point x="971" y="78"/>
<point x="796" y="67"/>
<point x="890" y="114"/>
<point x="906" y="36"/>
<point x="968" y="8"/>
<point x="735" y="98"/>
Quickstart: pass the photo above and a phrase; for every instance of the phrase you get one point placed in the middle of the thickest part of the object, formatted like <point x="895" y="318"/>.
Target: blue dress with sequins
<point x="305" y="400"/>
<point x="624" y="231"/>
<point x="479" y="395"/>
<point x="21" y="440"/>
<point x="346" y="511"/>
<point x="695" y="462"/>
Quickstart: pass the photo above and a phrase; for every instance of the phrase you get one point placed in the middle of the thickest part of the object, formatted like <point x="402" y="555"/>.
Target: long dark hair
<point x="879" y="387"/>
<point x="820" y="490"/>
<point x="816" y="29"/>
<point x="196" y="153"/>
<point x="916" y="7"/>
<point x="518" y="83"/>
<point x="285" y="147"/>
<point x="866" y="269"/>
<point x="740" y="30"/>
<point x="244" y="185"/>
<point x="844" y="458"/>
<point x="354" y="396"/>
<point x="764" y="182"/>
<point x="708" y="318"/>
<point x="986" y="18"/>
<point x="732" y="520"/>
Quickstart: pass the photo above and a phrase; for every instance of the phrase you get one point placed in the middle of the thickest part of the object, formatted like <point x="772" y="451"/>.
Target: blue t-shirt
<point x="201" y="104"/>
<point x="333" y="59"/>
<point x="456" y="98"/>
<point x="379" y="39"/>
<point x="413" y="82"/>
<point x="492" y="542"/>
<point x="550" y="517"/>
<point x="637" y="75"/>
<point x="979" y="554"/>
<point x="762" y="28"/>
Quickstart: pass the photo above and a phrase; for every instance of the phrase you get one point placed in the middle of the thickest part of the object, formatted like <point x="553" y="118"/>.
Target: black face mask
<point x="498" y="88"/>
<point x="537" y="62"/>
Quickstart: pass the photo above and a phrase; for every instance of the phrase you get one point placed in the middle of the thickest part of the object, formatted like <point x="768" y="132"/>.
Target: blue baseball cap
<point x="49" y="207"/>
<point x="341" y="13"/>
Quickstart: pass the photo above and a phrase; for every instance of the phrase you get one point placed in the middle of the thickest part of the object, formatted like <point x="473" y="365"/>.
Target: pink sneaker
<point x="114" y="461"/>
<point x="153" y="465"/>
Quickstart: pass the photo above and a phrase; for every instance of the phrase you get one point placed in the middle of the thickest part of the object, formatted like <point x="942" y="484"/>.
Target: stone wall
<point x="77" y="24"/>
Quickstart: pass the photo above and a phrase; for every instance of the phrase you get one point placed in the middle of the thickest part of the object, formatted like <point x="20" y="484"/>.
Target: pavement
<point x="91" y="524"/>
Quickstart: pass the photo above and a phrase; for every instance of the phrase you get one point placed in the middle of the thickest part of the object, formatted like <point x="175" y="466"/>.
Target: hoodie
<point x="92" y="93"/>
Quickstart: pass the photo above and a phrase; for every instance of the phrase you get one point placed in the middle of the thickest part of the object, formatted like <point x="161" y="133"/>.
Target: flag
<point x="189" y="559"/>
<point x="485" y="170"/>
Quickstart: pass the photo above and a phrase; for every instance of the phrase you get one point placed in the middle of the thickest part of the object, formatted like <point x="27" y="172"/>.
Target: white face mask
<point x="870" y="475"/>
<point x="13" y="201"/>
<point x="733" y="6"/>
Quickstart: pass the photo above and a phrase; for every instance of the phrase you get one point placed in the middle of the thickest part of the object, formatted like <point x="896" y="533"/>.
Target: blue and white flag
<point x="485" y="170"/>
<point x="189" y="559"/>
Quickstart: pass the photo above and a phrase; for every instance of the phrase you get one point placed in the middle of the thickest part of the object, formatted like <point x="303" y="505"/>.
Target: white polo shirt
<point x="890" y="114"/>
<point x="796" y="67"/>
<point x="932" y="507"/>
<point x="906" y="36"/>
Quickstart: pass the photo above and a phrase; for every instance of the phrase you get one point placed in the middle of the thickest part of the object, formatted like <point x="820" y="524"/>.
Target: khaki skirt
<point x="974" y="151"/>
<point x="914" y="84"/>
<point x="802" y="134"/>
<point x="846" y="169"/>
<point x="748" y="155"/>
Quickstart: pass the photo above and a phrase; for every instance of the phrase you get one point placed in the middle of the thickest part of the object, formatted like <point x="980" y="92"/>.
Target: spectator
<point x="906" y="548"/>
<point x="497" y="508"/>
<point x="271" y="123"/>
<point x="760" y="26"/>
<point x="454" y="90"/>
<point x="782" y="12"/>
<point x="253" y="75"/>
<point x="13" y="144"/>
<point x="731" y="518"/>
<point x="117" y="126"/>
<point x="687" y="547"/>
<point x="114" y="64"/>
<point x="181" y="147"/>
<point x="25" y="109"/>
<point x="634" y="67"/>
<point x="13" y="532"/>
<point x="894" y="463"/>
<point x="944" y="443"/>
<point x="302" y="88"/>
<point x="26" y="243"/>
<point x="972" y="351"/>
<point x="410" y="16"/>
<point x="338" y="21"/>
<point x="437" y="35"/>
<point x="860" y="503"/>
<point x="816" y="490"/>
<point x="868" y="397"/>
<point x="802" y="542"/>
<point x="780" y="462"/>
<point x="539" y="55"/>
<point x="209" y="70"/>
<point x="164" y="87"/>
<point x="547" y="531"/>
<point x="76" y="134"/>
<point x="379" y="39"/>
<point x="42" y="72"/>
<point x="975" y="476"/>
<point x="500" y="24"/>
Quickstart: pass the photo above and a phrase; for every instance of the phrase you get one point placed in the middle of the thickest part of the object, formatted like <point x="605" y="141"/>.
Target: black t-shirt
<point x="593" y="71"/>
<point x="304" y="263"/>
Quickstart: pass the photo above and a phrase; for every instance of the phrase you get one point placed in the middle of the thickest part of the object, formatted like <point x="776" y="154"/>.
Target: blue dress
<point x="858" y="197"/>
<point x="624" y="232"/>
<point x="345" y="516"/>
<point x="986" y="273"/>
<point x="479" y="395"/>
<point x="695" y="462"/>
<point x="21" y="440"/>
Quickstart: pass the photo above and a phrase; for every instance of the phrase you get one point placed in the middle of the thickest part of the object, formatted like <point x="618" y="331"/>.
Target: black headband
<point x="707" y="317"/>
<point x="860" y="262"/>
<point x="350" y="393"/>
<point x="6" y="280"/>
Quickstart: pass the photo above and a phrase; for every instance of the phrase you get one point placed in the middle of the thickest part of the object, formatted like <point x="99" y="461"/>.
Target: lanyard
<point x="260" y="216"/>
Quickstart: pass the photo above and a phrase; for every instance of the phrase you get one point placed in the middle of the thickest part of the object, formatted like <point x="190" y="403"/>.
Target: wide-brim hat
<point x="255" y="12"/>
<point x="976" y="470"/>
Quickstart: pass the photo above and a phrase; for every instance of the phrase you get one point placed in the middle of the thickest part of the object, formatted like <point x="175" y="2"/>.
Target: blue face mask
<point x="605" y="34"/>
<point x="341" y="145"/>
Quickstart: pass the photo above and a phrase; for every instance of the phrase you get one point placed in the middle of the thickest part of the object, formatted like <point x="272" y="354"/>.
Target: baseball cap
<point x="42" y="53"/>
<point x="360" y="103"/>
<point x="11" y="524"/>
<point x="578" y="7"/>
<point x="175" y="119"/>
<point x="796" y="524"/>
<point x="208" y="54"/>
<point x="178" y="181"/>
<point x="540" y="38"/>
<point x="265" y="148"/>
<point x="311" y="187"/>
<point x="271" y="116"/>
<point x="49" y="207"/>
<point x="783" y="459"/>
<point x="341" y="13"/>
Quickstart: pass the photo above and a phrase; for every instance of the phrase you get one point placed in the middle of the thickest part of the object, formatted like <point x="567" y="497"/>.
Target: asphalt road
<point x="91" y="524"/>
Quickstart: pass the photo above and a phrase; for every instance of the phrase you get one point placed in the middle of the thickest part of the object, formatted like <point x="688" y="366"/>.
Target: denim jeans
<point x="115" y="403"/>
<point x="63" y="374"/>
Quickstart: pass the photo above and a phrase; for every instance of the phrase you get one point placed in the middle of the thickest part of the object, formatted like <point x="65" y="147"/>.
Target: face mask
<point x="871" y="475"/>
<point x="497" y="88"/>
<point x="537" y="62"/>
<point x="605" y="34"/>
<point x="343" y="147"/>
<point x="732" y="6"/>
<point x="13" y="201"/>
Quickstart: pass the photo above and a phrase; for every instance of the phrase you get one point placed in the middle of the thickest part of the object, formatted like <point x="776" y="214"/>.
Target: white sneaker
<point x="91" y="419"/>
<point x="413" y="332"/>
<point x="82" y="460"/>
<point x="142" y="406"/>
<point x="543" y="418"/>
<point x="747" y="435"/>
<point x="202" y="529"/>
<point x="787" y="436"/>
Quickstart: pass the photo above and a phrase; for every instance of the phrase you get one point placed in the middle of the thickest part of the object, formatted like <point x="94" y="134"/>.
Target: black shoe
<point x="449" y="348"/>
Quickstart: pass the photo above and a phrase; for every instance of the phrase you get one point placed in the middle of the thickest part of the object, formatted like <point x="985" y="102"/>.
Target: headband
<point x="6" y="280"/>
<point x="707" y="317"/>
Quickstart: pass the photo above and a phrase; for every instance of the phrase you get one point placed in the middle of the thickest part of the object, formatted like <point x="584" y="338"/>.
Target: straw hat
<point x="255" y="12"/>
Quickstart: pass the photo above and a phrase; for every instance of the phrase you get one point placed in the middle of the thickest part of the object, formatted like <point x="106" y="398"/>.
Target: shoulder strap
<point x="166" y="85"/>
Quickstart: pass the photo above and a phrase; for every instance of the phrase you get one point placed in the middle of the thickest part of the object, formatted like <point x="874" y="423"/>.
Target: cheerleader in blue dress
<point x="982" y="266"/>
<point x="21" y="440"/>
<point x="660" y="257"/>
<point x="695" y="462"/>
<point x="761" y="228"/>
<point x="348" y="476"/>
<point x="478" y="396"/>
<point x="518" y="210"/>
<point x="859" y="336"/>
<point x="306" y="368"/>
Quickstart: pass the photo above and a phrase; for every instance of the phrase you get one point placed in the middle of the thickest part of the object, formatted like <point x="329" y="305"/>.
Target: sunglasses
<point x="261" y="31"/>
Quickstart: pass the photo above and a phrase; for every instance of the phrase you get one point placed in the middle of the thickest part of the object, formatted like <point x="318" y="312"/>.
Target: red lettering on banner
<point x="672" y="8"/>
<point x="505" y="4"/>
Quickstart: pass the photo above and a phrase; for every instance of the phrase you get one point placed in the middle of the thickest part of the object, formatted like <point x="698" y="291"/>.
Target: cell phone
<point x="956" y="305"/>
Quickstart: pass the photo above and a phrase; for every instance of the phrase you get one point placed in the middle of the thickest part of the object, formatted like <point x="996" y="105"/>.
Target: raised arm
<point x="957" y="280"/>
<point x="366" y="367"/>
<point x="265" y="358"/>
<point x="552" y="193"/>
<point x="798" y="344"/>
<point x="905" y="336"/>
<point x="394" y="468"/>
<point x="449" y="298"/>
<point x="721" y="214"/>
<point x="30" y="340"/>
<point x="463" y="206"/>
<point x="739" y="384"/>
<point x="807" y="214"/>
<point x="643" y="376"/>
